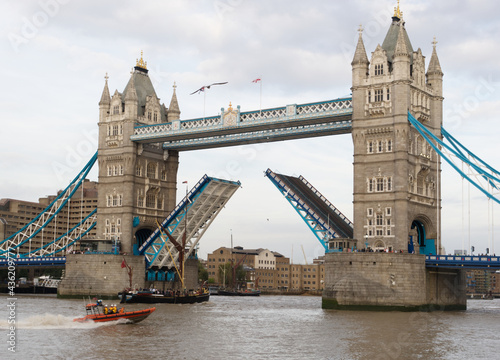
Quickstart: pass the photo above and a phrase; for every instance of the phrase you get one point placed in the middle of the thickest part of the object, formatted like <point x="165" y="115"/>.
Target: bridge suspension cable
<point x="40" y="222"/>
<point x="481" y="175"/>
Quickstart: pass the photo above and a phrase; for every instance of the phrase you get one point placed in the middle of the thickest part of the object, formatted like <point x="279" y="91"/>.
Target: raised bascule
<point x="387" y="257"/>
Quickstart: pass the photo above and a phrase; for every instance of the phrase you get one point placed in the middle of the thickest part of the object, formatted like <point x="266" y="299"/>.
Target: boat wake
<point x="52" y="321"/>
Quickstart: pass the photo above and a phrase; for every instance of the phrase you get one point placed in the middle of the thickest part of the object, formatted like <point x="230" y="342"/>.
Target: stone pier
<point x="100" y="275"/>
<point x="390" y="281"/>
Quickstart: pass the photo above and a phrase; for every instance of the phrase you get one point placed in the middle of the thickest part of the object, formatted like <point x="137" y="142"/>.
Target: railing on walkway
<point x="462" y="261"/>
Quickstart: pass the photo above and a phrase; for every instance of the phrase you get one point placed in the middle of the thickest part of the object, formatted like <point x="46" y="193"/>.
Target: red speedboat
<point x="94" y="314"/>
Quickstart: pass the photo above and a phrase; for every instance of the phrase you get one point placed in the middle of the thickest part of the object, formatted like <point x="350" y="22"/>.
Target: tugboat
<point x="112" y="313"/>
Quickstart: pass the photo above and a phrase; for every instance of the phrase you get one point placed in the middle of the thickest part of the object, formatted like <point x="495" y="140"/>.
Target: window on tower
<point x="379" y="69"/>
<point x="379" y="95"/>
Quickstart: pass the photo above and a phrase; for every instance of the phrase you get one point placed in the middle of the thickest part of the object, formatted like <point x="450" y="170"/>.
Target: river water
<point x="265" y="327"/>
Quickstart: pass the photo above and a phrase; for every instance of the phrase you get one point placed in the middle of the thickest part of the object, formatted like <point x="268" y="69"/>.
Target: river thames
<point x="265" y="327"/>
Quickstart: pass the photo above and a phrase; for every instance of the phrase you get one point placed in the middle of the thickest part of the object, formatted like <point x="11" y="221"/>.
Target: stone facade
<point x="396" y="173"/>
<point x="137" y="182"/>
<point x="100" y="275"/>
<point x="390" y="281"/>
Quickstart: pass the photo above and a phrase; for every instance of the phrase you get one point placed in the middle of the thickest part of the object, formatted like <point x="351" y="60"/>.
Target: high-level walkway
<point x="233" y="127"/>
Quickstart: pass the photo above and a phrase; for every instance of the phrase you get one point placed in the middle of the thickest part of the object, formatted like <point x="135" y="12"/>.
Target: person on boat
<point x="105" y="309"/>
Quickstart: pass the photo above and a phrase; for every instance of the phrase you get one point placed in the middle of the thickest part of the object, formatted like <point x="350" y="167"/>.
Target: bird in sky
<point x="207" y="87"/>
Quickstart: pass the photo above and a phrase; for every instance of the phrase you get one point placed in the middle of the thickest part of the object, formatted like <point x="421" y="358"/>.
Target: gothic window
<point x="379" y="95"/>
<point x="159" y="204"/>
<point x="120" y="200"/>
<point x="389" y="145"/>
<point x="150" y="201"/>
<point x="140" y="201"/>
<point x="138" y="170"/>
<point x="369" y="96"/>
<point x="380" y="146"/>
<point x="155" y="118"/>
<point x="370" y="185"/>
<point x="115" y="130"/>
<point x="121" y="170"/>
<point x="389" y="184"/>
<point x="149" y="115"/>
<point x="108" y="200"/>
<point x="388" y="95"/>
<point x="164" y="175"/>
<point x="380" y="184"/>
<point x="115" y="170"/>
<point x="110" y="171"/>
<point x="369" y="212"/>
<point x="115" y="200"/>
<point x="380" y="219"/>
<point x="388" y="228"/>
<point x="121" y="129"/>
<point x="370" y="147"/>
<point x="419" y="145"/>
<point x="116" y="109"/>
<point x="151" y="171"/>
<point x="379" y="69"/>
<point x="388" y="211"/>
<point x="109" y="130"/>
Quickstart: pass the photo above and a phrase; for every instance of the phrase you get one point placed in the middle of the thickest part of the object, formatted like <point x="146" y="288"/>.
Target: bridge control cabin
<point x="342" y="244"/>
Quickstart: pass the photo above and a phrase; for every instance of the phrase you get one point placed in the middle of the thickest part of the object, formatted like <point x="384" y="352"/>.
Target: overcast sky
<point x="57" y="52"/>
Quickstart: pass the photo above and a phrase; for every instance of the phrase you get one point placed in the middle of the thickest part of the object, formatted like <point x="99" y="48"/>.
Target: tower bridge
<point x="395" y="117"/>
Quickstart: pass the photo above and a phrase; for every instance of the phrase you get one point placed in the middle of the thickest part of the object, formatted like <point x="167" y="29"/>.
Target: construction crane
<point x="303" y="252"/>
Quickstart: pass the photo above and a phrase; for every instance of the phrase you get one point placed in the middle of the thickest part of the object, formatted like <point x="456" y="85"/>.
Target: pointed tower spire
<point x="434" y="66"/>
<point x="360" y="53"/>
<point x="105" y="97"/>
<point x="131" y="94"/>
<point x="401" y="49"/>
<point x="173" y="111"/>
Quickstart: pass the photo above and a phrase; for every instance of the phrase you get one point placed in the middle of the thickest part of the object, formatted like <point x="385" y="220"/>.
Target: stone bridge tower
<point x="396" y="173"/>
<point x="137" y="183"/>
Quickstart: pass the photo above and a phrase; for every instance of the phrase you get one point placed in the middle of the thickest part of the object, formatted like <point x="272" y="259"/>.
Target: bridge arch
<point x="422" y="236"/>
<point x="141" y="235"/>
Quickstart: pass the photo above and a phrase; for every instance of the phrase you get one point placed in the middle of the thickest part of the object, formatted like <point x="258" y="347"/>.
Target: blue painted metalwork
<point x="323" y="231"/>
<point x="462" y="262"/>
<point x="19" y="238"/>
<point x="34" y="261"/>
<point x="492" y="178"/>
<point x="158" y="251"/>
<point x="71" y="242"/>
<point x="172" y="220"/>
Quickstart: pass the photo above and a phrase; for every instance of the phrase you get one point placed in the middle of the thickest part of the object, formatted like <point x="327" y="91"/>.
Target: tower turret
<point x="360" y="61"/>
<point x="131" y="100"/>
<point x="105" y="102"/>
<point x="402" y="57"/>
<point x="174" y="112"/>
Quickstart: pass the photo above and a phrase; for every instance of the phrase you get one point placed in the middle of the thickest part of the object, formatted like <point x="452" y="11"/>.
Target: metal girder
<point x="47" y="215"/>
<point x="195" y="213"/>
<point x="68" y="239"/>
<point x="322" y="230"/>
